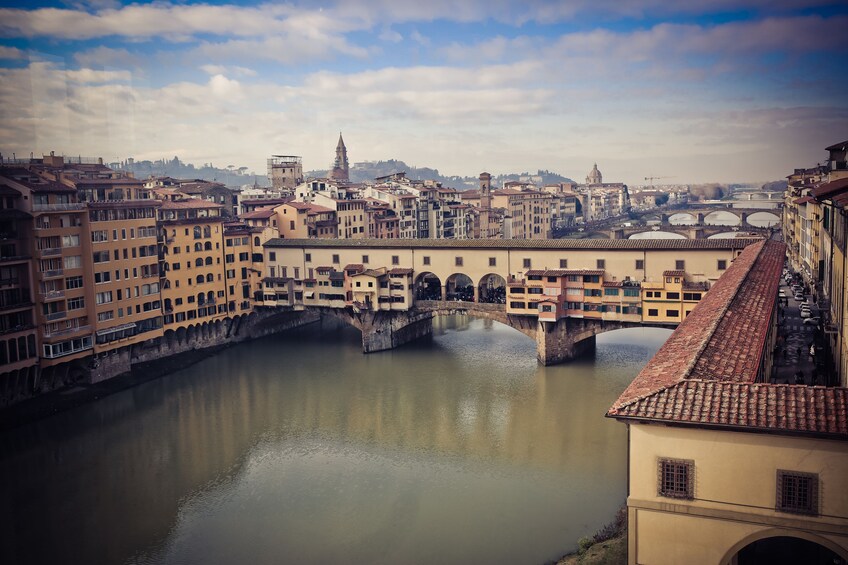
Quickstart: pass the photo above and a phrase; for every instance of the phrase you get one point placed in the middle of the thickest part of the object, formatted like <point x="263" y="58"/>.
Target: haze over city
<point x="718" y="92"/>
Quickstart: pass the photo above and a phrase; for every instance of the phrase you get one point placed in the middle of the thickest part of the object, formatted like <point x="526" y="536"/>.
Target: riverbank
<point x="607" y="547"/>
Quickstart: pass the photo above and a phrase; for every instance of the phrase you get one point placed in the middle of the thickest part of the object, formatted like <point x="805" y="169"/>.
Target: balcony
<point x="50" y="252"/>
<point x="70" y="206"/>
<point x="52" y="295"/>
<point x="56" y="316"/>
<point x="9" y="282"/>
<point x="66" y="331"/>
<point x="52" y="274"/>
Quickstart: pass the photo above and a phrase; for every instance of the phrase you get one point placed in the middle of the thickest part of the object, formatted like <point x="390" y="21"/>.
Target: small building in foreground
<point x="725" y="467"/>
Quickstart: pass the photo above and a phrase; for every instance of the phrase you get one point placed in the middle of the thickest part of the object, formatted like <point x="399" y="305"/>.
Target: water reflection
<point x="298" y="448"/>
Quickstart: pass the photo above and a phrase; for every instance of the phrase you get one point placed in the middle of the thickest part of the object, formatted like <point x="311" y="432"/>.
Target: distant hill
<point x="368" y="171"/>
<point x="776" y="186"/>
<point x="231" y="176"/>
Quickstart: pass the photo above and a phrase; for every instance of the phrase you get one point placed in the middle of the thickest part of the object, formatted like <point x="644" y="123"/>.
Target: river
<point x="300" y="449"/>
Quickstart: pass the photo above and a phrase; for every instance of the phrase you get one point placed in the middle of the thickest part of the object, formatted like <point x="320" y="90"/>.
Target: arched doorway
<point x="492" y="289"/>
<point x="428" y="287"/>
<point x="787" y="550"/>
<point x="459" y="287"/>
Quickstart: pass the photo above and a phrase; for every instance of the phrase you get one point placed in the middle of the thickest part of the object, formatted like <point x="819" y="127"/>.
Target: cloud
<point x="11" y="53"/>
<point x="107" y="57"/>
<point x="231" y="70"/>
<point x="390" y="35"/>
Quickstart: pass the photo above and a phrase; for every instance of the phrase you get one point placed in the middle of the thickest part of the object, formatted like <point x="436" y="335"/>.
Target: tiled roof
<point x="354" y="267"/>
<point x="827" y="189"/>
<point x="788" y="408"/>
<point x="675" y="273"/>
<point x="705" y="373"/>
<point x="562" y="272"/>
<point x="400" y="271"/>
<point x="261" y="213"/>
<point x="565" y="244"/>
<point x="804" y="200"/>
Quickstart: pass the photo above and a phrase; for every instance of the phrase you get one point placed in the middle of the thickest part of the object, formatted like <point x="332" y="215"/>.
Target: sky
<point x="707" y="91"/>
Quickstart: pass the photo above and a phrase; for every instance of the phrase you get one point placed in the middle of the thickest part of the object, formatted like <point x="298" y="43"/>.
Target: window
<point x="676" y="478"/>
<point x="426" y="260"/>
<point x="653" y="312"/>
<point x="335" y="258"/>
<point x="526" y="263"/>
<point x="103" y="297"/>
<point x="610" y="292"/>
<point x="73" y="282"/>
<point x="563" y="263"/>
<point x="672" y="313"/>
<point x="680" y="265"/>
<point x="631" y="292"/>
<point x="602" y="264"/>
<point x="493" y="262"/>
<point x="273" y="257"/>
<point x="76" y="303"/>
<point x="365" y="259"/>
<point x="672" y="295"/>
<point x="640" y="264"/>
<point x="516" y="304"/>
<point x="691" y="296"/>
<point x="103" y="316"/>
<point x="722" y="264"/>
<point x="103" y="277"/>
<point x="797" y="493"/>
<point x="458" y="261"/>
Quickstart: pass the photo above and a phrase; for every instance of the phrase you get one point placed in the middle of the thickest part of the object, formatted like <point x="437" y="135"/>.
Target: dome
<point x="595" y="176"/>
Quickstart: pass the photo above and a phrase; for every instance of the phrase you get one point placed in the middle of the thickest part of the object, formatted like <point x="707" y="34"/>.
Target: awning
<point x="309" y="294"/>
<point x="115" y="329"/>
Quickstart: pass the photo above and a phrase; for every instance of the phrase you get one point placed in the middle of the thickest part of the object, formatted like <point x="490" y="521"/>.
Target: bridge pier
<point x="564" y="340"/>
<point x="383" y="330"/>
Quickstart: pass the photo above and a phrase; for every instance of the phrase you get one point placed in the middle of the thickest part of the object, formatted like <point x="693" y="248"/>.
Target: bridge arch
<point x="655" y="234"/>
<point x="717" y="218"/>
<point x="683" y="218"/>
<point x="774" y="544"/>
<point x="491" y="289"/>
<point x="764" y="219"/>
<point x="428" y="286"/>
<point x="459" y="286"/>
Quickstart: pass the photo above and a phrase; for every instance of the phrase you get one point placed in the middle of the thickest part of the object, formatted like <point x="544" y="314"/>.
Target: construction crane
<point x="652" y="179"/>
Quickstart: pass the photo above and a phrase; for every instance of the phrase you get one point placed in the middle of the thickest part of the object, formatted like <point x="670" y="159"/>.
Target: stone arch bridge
<point x="463" y="277"/>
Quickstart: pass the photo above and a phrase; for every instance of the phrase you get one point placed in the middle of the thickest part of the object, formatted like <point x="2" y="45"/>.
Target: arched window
<point x="209" y="260"/>
<point x="209" y="278"/>
<point x="199" y="279"/>
<point x="166" y="284"/>
<point x="196" y="232"/>
<point x="256" y="241"/>
<point x="201" y="299"/>
<point x="168" y="304"/>
<point x="198" y="246"/>
<point x="210" y="296"/>
<point x="165" y="250"/>
<point x="207" y="246"/>
<point x="198" y="262"/>
<point x="207" y="231"/>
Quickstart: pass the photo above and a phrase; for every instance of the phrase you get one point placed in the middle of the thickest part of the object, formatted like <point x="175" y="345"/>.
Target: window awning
<point x="309" y="294"/>
<point x="120" y="328"/>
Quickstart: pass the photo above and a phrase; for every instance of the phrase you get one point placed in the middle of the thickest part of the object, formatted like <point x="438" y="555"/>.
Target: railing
<point x="48" y="333"/>
<point x="10" y="281"/>
<point x="52" y="274"/>
<point x="69" y="206"/>
<point x="51" y="251"/>
<point x="15" y="305"/>
<point x="18" y="328"/>
<point x="53" y="294"/>
<point x="55" y="316"/>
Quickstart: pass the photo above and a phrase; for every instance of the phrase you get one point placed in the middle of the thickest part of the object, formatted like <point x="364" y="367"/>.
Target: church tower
<point x="485" y="204"/>
<point x="340" y="170"/>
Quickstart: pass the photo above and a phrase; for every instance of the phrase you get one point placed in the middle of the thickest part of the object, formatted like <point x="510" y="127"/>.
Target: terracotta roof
<point x="823" y="191"/>
<point x="804" y="200"/>
<point x="705" y="373"/>
<point x="766" y="407"/>
<point x="324" y="269"/>
<point x="354" y="267"/>
<point x="612" y="284"/>
<point x="576" y="244"/>
<point x="260" y="213"/>
<point x="675" y="273"/>
<point x="837" y="146"/>
<point x="400" y="271"/>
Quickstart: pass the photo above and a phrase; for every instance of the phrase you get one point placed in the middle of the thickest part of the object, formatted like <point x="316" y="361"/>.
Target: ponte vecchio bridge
<point x="559" y="292"/>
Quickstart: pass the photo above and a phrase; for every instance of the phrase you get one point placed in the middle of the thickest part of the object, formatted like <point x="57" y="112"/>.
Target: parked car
<point x="811" y="321"/>
<point x="781" y="294"/>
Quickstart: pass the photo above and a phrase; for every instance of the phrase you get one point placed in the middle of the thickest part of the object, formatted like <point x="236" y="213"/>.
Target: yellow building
<point x="724" y="467"/>
<point x="671" y="298"/>
<point x="193" y="266"/>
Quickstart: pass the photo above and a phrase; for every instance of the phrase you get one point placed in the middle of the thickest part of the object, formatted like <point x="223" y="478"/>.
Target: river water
<point x="300" y="449"/>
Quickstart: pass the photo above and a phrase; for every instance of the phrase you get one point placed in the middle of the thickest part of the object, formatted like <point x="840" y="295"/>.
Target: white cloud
<point x="107" y="57"/>
<point x="11" y="53"/>
<point x="231" y="70"/>
<point x="390" y="35"/>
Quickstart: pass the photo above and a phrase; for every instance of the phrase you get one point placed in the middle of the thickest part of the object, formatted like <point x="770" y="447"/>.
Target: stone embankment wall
<point x="176" y="349"/>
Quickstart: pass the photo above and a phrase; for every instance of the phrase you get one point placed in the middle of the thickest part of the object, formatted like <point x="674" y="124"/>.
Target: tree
<point x="660" y="199"/>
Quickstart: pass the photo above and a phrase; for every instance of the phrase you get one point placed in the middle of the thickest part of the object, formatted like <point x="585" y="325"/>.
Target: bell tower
<point x="340" y="170"/>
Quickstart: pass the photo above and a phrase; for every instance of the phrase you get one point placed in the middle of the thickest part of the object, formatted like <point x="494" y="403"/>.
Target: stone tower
<point x="485" y="204"/>
<point x="340" y="170"/>
<point x="595" y="176"/>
